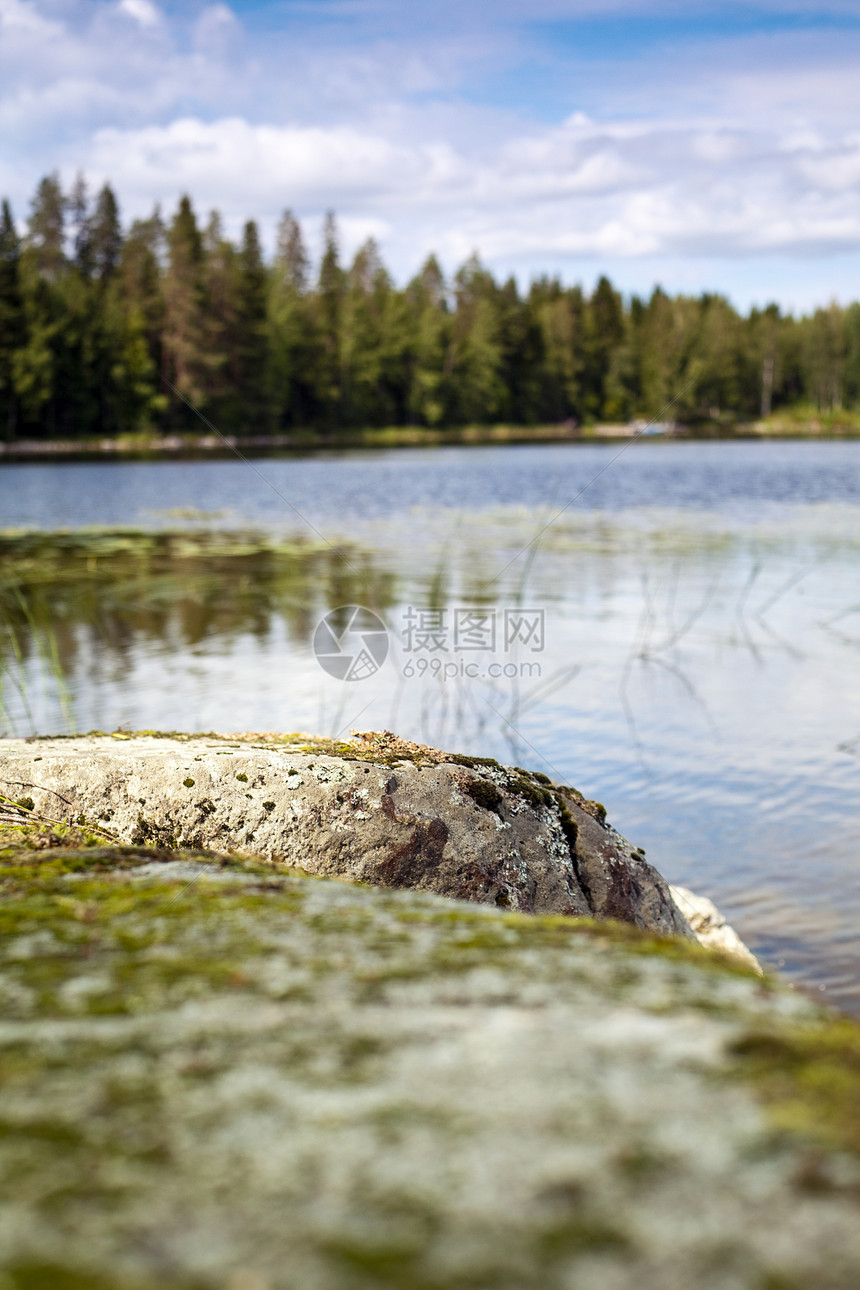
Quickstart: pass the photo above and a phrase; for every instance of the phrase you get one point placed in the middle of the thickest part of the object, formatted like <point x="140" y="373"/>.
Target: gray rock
<point x="379" y="810"/>
<point x="218" y="1076"/>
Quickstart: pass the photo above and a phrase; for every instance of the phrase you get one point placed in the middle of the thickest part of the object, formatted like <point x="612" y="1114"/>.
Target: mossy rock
<point x="376" y="808"/>
<point x="218" y="1074"/>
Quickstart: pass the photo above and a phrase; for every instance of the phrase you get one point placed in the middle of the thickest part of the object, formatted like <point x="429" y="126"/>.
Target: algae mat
<point x="221" y="1075"/>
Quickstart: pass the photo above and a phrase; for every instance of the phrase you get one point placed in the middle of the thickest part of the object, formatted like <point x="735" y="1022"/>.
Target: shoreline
<point x="191" y="446"/>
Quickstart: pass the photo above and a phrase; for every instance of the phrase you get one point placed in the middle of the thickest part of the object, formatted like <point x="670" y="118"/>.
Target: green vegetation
<point x="112" y="333"/>
<point x="115" y="584"/>
<point x="810" y="1079"/>
<point x="331" y="1085"/>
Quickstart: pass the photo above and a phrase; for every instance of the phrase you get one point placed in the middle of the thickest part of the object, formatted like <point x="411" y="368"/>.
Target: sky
<point x="704" y="147"/>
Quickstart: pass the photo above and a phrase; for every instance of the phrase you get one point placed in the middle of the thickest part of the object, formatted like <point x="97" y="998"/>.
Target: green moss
<point x="580" y="1235"/>
<point x="485" y="793"/>
<point x="809" y="1078"/>
<point x="242" y="778"/>
<point x="595" y="809"/>
<point x="52" y="1276"/>
<point x="189" y="783"/>
<point x="569" y="826"/>
<point x="532" y="793"/>
<point x="105" y="1099"/>
<point x="31" y="840"/>
<point x="153" y="833"/>
<point x="461" y="759"/>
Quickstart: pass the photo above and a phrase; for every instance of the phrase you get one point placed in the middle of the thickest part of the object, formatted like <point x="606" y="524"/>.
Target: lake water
<point x="672" y="627"/>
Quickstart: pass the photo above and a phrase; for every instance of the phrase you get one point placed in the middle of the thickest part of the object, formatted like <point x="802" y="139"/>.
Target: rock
<point x="711" y="928"/>
<point x="215" y="1075"/>
<point x="378" y="810"/>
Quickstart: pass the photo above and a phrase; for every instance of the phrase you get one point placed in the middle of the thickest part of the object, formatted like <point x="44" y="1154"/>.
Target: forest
<point x="106" y="330"/>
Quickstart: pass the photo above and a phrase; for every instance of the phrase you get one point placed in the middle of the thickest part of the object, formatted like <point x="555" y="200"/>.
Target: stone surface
<point x="218" y="1076"/>
<point x="710" y="926"/>
<point x="378" y="810"/>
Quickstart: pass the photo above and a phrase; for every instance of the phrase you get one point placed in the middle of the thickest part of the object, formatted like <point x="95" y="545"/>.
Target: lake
<point x="673" y="627"/>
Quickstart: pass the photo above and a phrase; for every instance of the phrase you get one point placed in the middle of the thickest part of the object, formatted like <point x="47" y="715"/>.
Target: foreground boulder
<point x="216" y="1075"/>
<point x="377" y="809"/>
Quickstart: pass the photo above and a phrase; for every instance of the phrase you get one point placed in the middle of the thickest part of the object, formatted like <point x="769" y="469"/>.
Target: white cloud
<point x="215" y="29"/>
<point x="142" y="11"/>
<point x="22" y="17"/>
<point x="624" y="189"/>
<point x="737" y="152"/>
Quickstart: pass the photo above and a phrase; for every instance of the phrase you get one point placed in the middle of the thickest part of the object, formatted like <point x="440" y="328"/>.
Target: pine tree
<point x="78" y="207"/>
<point x="852" y="355"/>
<point x="105" y="235"/>
<point x="11" y="319"/>
<point x="660" y="353"/>
<point x="135" y="300"/>
<point x="252" y="347"/>
<point x="89" y="320"/>
<point x="825" y="344"/>
<point x="291" y="259"/>
<point x="604" y="335"/>
<point x="373" y="344"/>
<point x="46" y="229"/>
<point x="294" y="336"/>
<point x="186" y="333"/>
<point x="37" y="362"/>
<point x="477" y="356"/>
<point x="558" y="354"/>
<point x="139" y="278"/>
<point x="221" y="326"/>
<point x="429" y="333"/>
<point x="330" y="292"/>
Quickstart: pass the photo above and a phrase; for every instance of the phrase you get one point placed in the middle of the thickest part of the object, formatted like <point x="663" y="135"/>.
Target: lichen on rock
<point x="220" y="1075"/>
<point x="377" y="809"/>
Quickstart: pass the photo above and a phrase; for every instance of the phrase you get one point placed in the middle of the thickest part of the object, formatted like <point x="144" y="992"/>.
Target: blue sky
<point x="705" y="147"/>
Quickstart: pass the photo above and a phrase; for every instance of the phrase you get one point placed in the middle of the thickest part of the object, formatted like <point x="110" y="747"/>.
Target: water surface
<point x="701" y="612"/>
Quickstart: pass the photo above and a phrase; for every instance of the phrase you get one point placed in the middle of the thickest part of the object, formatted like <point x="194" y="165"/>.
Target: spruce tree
<point x="46" y="228"/>
<point x="330" y="291"/>
<point x="604" y="334"/>
<point x="477" y="355"/>
<point x="39" y="361"/>
<point x="291" y="259"/>
<point x="222" y="326"/>
<point x="186" y="334"/>
<point x="429" y="325"/>
<point x="294" y="333"/>
<point x="11" y="319"/>
<point x="139" y="278"/>
<point x="134" y="297"/>
<point x="252" y="339"/>
<point x="556" y="312"/>
<point x="105" y="235"/>
<point x="373" y="344"/>
<point x="78" y="208"/>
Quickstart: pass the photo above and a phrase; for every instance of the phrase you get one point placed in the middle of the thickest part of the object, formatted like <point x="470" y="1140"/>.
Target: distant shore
<point x="147" y="446"/>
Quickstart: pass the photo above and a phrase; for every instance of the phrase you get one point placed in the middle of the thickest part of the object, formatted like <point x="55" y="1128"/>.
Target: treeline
<point x="96" y="321"/>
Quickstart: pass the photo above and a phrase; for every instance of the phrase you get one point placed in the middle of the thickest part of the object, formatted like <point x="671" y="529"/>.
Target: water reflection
<point x="66" y="597"/>
<point x="698" y="674"/>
